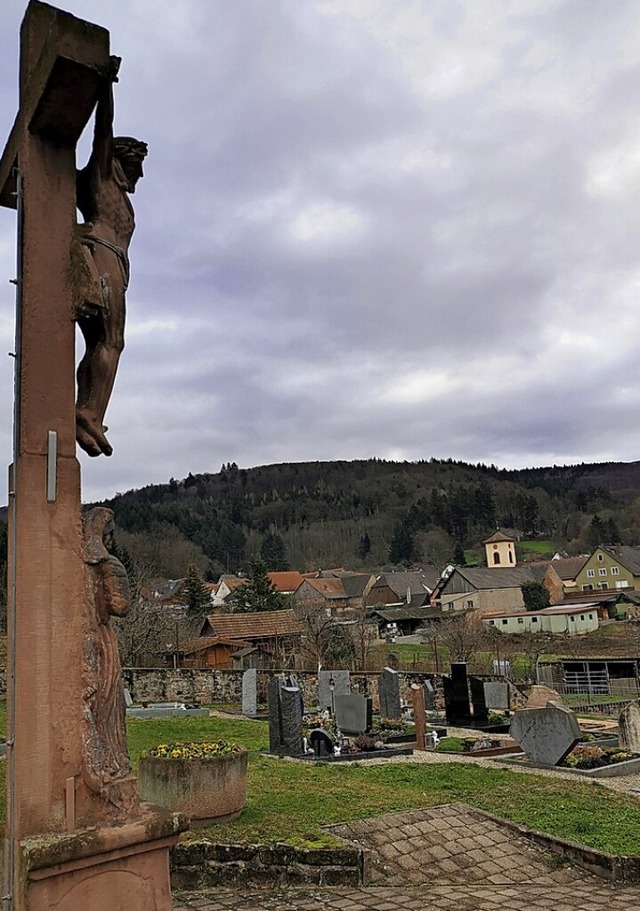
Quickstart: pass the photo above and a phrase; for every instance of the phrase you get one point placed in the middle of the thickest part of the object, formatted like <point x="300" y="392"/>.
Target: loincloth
<point x="123" y="259"/>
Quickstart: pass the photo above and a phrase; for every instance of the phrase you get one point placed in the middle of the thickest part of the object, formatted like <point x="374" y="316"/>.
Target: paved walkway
<point x="449" y="858"/>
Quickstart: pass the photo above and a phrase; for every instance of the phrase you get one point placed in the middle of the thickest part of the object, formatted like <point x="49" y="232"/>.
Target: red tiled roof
<point x="285" y="581"/>
<point x="259" y="625"/>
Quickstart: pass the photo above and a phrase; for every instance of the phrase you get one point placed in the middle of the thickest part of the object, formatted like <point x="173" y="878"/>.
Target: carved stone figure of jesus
<point x="100" y="265"/>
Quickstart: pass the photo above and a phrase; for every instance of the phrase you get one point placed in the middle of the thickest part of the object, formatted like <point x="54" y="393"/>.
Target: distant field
<point x="542" y="547"/>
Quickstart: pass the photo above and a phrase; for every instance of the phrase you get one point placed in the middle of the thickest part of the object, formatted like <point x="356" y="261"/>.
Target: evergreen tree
<point x="534" y="595"/>
<point x="272" y="551"/>
<point x="402" y="547"/>
<point x="196" y="594"/>
<point x="458" y="555"/>
<point x="364" y="547"/>
<point x="613" y="535"/>
<point x="597" y="531"/>
<point x="258" y="594"/>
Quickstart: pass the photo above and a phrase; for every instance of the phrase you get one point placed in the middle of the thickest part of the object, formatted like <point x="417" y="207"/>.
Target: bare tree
<point x="464" y="636"/>
<point x="147" y="631"/>
<point x="364" y="632"/>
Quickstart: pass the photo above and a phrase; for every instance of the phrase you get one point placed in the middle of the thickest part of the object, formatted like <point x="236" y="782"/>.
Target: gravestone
<point x="285" y="718"/>
<point x="353" y="714"/>
<point x="496" y="694"/>
<point x="546" y="735"/>
<point x="128" y="701"/>
<point x="68" y="772"/>
<point x="480" y="710"/>
<point x="629" y="727"/>
<point x="418" y="697"/>
<point x="341" y="687"/>
<point x="250" y="692"/>
<point x="321" y="743"/>
<point x="429" y="696"/>
<point x="389" y="694"/>
<point x="456" y="696"/>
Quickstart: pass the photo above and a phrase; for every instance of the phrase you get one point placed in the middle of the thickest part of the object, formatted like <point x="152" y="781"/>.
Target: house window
<point x="602" y="571"/>
<point x="590" y="616"/>
<point x="623" y="583"/>
<point x="469" y="605"/>
<point x="603" y="586"/>
<point x="615" y="571"/>
<point x="582" y="616"/>
<point x="492" y="622"/>
<point x="591" y="573"/>
<point x="573" y="619"/>
<point x="534" y="619"/>
<point x="587" y="588"/>
<point x="600" y="558"/>
<point x="510" y="557"/>
<point x="504" y="622"/>
<point x="496" y="559"/>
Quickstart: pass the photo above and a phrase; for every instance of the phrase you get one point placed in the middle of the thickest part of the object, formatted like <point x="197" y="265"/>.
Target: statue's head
<point x="130" y="153"/>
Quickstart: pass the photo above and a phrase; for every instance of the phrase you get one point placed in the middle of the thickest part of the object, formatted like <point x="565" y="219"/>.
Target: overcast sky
<point x="369" y="228"/>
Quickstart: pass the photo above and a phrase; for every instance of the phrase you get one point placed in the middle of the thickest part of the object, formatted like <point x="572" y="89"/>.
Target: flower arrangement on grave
<point x="367" y="744"/>
<point x="323" y="720"/>
<point x="595" y="757"/>
<point x="196" y="750"/>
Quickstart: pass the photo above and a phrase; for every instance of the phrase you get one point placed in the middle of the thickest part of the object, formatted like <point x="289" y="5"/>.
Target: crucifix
<point x="68" y="771"/>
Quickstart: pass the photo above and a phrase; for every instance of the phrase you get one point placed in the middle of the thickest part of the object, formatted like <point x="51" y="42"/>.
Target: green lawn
<point x="290" y="801"/>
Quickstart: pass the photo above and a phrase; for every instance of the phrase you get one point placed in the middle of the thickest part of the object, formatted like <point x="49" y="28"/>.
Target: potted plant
<point x="205" y="781"/>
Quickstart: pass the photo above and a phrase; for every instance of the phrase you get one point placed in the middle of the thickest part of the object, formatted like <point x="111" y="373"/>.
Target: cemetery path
<point x="450" y="858"/>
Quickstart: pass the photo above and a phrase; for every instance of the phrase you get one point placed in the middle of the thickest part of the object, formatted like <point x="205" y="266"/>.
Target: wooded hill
<point x="370" y="514"/>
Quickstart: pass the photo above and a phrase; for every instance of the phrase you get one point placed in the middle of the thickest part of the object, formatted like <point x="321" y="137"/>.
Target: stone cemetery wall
<point x="203" y="686"/>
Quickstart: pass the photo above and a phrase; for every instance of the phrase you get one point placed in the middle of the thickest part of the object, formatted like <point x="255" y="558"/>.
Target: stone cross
<point x="52" y="793"/>
<point x="62" y="60"/>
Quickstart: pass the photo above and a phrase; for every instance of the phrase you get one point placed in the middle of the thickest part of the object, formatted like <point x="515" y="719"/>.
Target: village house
<point x="277" y="635"/>
<point x="610" y="567"/>
<point x="337" y="594"/>
<point x="490" y="590"/>
<point x="210" y="651"/>
<point x="558" y="620"/>
<point x="396" y="589"/>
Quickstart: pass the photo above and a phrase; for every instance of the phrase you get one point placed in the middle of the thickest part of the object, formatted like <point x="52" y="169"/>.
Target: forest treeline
<point x="370" y="514"/>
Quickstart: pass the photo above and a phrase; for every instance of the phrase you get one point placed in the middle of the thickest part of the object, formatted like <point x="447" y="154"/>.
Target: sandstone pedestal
<point x="106" y="869"/>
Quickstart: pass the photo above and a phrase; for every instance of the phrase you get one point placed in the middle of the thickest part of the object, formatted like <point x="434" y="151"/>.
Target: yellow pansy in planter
<point x="205" y="781"/>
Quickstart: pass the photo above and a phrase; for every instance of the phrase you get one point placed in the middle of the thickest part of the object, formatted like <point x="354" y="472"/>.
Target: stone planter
<point x="205" y="790"/>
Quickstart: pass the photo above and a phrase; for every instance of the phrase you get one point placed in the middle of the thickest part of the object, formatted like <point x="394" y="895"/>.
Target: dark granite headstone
<point x="456" y="696"/>
<point x="285" y="718"/>
<point x="389" y="694"/>
<point x="321" y="743"/>
<point x="478" y="699"/>
<point x="353" y="714"/>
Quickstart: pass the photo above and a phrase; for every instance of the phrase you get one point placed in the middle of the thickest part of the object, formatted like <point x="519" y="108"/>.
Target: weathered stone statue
<point x="100" y="264"/>
<point x="107" y="767"/>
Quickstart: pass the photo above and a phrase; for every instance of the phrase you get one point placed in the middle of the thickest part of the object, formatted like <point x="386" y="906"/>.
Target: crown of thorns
<point x="128" y="147"/>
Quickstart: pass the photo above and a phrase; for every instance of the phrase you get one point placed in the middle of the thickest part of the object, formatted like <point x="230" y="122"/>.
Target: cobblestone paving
<point x="438" y="859"/>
